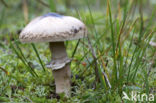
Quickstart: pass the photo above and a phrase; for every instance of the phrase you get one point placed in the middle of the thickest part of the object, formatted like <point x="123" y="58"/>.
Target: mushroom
<point x="55" y="29"/>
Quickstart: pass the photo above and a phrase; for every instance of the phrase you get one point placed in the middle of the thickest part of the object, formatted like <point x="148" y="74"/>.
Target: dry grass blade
<point x="105" y="72"/>
<point x="95" y="59"/>
<point x="25" y="10"/>
<point x="107" y="80"/>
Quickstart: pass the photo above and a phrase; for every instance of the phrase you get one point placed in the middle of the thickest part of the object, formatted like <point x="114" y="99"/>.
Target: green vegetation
<point x="116" y="57"/>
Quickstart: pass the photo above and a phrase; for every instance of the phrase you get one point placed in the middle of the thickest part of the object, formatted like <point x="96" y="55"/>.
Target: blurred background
<point x="17" y="11"/>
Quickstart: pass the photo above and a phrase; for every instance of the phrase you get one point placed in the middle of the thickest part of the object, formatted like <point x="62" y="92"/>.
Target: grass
<point x="116" y="58"/>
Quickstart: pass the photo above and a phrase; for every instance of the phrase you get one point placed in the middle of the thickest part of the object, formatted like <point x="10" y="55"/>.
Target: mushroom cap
<point x="53" y="27"/>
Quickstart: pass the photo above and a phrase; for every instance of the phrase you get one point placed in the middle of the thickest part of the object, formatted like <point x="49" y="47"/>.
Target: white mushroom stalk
<point x="61" y="67"/>
<point x="56" y="29"/>
<point x="59" y="55"/>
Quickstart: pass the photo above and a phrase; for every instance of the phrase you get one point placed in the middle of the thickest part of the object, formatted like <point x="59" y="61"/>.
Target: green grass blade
<point x="75" y="48"/>
<point x="129" y="47"/>
<point x="28" y="68"/>
<point x="142" y="55"/>
<point x="21" y="53"/>
<point x="113" y="40"/>
<point x="37" y="54"/>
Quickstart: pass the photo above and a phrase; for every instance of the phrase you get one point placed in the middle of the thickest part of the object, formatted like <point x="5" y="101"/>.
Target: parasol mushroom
<point x="55" y="29"/>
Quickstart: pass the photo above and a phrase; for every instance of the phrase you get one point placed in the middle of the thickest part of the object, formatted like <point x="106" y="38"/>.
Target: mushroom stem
<point x="62" y="74"/>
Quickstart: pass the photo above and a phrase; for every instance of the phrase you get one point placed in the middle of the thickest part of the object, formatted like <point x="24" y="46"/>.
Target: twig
<point x="95" y="59"/>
